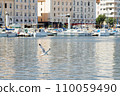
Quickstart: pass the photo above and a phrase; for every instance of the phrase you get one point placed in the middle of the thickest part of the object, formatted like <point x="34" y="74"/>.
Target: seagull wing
<point x="42" y="48"/>
<point x="47" y="51"/>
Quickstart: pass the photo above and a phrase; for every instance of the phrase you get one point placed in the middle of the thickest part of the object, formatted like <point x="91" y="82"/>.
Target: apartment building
<point x="23" y="12"/>
<point x="111" y="8"/>
<point x="84" y="11"/>
<point x="54" y="12"/>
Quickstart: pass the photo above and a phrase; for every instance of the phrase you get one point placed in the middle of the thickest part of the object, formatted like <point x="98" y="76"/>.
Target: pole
<point x="68" y="21"/>
<point x="7" y="19"/>
<point x="4" y="13"/>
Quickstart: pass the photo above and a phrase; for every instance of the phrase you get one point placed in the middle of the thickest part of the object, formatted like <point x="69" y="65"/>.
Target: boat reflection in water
<point x="70" y="58"/>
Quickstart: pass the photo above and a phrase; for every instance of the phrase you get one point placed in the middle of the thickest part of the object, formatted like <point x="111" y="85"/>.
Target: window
<point x="54" y="2"/>
<point x="21" y="14"/>
<point x="25" y="14"/>
<point x="88" y="9"/>
<point x="5" y="5"/>
<point x="66" y="9"/>
<point x="29" y="6"/>
<point x="81" y="9"/>
<point x="21" y="20"/>
<point x="58" y="3"/>
<point x="29" y="20"/>
<point x="25" y="20"/>
<point x="33" y="14"/>
<point x="16" y="20"/>
<point x="0" y="19"/>
<point x="88" y="3"/>
<point x="29" y="14"/>
<point x="21" y="6"/>
<point x="25" y="7"/>
<point x="85" y="9"/>
<point x="16" y="13"/>
<point x="58" y="9"/>
<point x="0" y="5"/>
<point x="81" y="3"/>
<point x="74" y="15"/>
<point x="16" y="6"/>
<point x="66" y="3"/>
<point x="81" y="15"/>
<point x="10" y="5"/>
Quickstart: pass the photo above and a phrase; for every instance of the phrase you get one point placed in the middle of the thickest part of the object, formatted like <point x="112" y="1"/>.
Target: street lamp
<point x="68" y="15"/>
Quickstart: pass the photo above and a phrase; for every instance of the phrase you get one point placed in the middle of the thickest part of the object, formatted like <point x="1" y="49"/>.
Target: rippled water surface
<point x="70" y="58"/>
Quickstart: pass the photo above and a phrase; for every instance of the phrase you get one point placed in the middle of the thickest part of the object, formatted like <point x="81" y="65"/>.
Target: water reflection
<point x="116" y="67"/>
<point x="7" y="59"/>
<point x="78" y="58"/>
<point x="104" y="60"/>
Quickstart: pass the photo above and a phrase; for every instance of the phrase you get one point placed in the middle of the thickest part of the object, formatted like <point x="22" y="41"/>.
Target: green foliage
<point x="100" y="19"/>
<point x="50" y="26"/>
<point x="65" y="26"/>
<point x="111" y="21"/>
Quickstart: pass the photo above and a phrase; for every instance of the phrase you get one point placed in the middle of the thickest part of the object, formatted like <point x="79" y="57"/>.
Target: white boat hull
<point x="3" y="35"/>
<point x="8" y="35"/>
<point x="41" y="34"/>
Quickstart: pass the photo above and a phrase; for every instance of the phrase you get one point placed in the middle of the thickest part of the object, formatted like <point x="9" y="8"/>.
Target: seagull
<point x="43" y="50"/>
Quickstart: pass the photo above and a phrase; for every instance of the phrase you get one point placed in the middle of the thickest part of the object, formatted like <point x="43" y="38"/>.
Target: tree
<point x="111" y="21"/>
<point x="50" y="26"/>
<point x="100" y="19"/>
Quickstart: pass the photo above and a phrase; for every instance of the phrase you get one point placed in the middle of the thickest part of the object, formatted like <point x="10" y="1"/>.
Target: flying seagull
<point x="43" y="50"/>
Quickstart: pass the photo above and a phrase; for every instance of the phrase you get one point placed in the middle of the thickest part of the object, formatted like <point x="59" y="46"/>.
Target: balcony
<point x="112" y="1"/>
<point x="114" y="16"/>
<point x="111" y="6"/>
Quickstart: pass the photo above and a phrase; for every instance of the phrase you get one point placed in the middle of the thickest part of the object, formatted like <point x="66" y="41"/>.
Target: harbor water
<point x="70" y="58"/>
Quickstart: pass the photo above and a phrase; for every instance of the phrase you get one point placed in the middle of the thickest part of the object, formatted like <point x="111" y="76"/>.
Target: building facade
<point x="111" y="8"/>
<point x="23" y="12"/>
<point x="84" y="11"/>
<point x="55" y="11"/>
